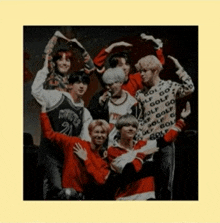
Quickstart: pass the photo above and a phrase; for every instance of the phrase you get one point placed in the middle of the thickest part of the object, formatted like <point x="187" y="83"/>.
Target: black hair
<point x="114" y="59"/>
<point x="59" y="53"/>
<point x="79" y="76"/>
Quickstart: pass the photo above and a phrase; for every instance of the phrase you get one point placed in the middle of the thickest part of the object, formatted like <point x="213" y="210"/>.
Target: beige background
<point x="15" y="14"/>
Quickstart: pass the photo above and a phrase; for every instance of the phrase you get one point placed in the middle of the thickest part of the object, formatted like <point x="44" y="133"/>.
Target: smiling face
<point x="63" y="64"/>
<point x="128" y="131"/>
<point x="125" y="66"/>
<point x="98" y="135"/>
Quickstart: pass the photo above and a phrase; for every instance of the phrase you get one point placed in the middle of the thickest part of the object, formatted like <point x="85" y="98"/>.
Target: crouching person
<point x="132" y="160"/>
<point x="83" y="165"/>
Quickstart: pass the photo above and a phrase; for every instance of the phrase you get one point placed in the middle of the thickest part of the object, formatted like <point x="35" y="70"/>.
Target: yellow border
<point x="15" y="14"/>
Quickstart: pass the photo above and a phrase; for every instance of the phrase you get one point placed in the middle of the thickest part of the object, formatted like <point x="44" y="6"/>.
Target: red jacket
<point x="142" y="188"/>
<point x="76" y="172"/>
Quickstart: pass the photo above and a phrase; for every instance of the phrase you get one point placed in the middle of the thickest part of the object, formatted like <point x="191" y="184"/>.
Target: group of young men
<point x="119" y="147"/>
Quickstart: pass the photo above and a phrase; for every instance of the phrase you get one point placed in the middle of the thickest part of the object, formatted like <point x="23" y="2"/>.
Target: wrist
<point x="110" y="48"/>
<point x="180" y="72"/>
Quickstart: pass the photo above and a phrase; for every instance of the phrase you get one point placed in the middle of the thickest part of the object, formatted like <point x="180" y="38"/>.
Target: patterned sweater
<point x="158" y="105"/>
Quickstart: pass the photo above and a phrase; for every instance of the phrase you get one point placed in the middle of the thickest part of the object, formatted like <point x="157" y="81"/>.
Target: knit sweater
<point x="158" y="105"/>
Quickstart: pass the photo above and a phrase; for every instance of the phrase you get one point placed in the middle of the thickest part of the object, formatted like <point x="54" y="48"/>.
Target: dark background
<point x="179" y="41"/>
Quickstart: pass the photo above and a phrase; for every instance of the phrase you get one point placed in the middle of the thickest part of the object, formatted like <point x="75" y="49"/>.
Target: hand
<point x="60" y="35"/>
<point x="186" y="111"/>
<point x="158" y="42"/>
<point x="176" y="62"/>
<point x="117" y="44"/>
<point x="104" y="97"/>
<point x="77" y="42"/>
<point x="80" y="152"/>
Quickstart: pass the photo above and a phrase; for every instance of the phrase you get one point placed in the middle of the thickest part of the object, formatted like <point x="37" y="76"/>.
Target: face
<point x="78" y="89"/>
<point x="98" y="135"/>
<point x="128" y="131"/>
<point x="114" y="89"/>
<point x="125" y="66"/>
<point x="147" y="76"/>
<point x="63" y="64"/>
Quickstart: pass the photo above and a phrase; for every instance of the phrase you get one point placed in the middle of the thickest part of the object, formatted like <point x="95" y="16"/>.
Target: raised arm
<point x="88" y="62"/>
<point x="174" y="131"/>
<point x="100" y="59"/>
<point x="59" y="138"/>
<point x="48" y="97"/>
<point x="187" y="86"/>
<point x="158" y="46"/>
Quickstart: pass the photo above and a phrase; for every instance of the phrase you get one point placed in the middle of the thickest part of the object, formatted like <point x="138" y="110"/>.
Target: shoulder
<point x="131" y="99"/>
<point x="87" y="115"/>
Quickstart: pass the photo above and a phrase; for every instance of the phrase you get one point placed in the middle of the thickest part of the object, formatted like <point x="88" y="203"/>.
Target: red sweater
<point x="134" y="82"/>
<point x="76" y="172"/>
<point x="141" y="189"/>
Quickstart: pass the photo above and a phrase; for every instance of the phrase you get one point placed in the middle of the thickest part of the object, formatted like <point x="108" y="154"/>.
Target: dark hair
<point x="60" y="53"/>
<point x="114" y="59"/>
<point x="127" y="119"/>
<point x="79" y="76"/>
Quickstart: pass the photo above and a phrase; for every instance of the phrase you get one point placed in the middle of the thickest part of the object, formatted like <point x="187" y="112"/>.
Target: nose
<point x="81" y="85"/>
<point x="107" y="87"/>
<point x="64" y="61"/>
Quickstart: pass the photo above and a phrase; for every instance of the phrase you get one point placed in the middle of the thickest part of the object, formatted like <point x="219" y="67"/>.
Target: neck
<point x="95" y="147"/>
<point x="126" y="143"/>
<point x="121" y="94"/>
<point x="156" y="80"/>
<point x="76" y="99"/>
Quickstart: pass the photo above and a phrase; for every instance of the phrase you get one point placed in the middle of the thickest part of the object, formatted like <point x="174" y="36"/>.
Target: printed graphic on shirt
<point x="159" y="107"/>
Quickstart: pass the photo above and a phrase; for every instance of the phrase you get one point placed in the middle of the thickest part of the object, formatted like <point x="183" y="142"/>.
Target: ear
<point x="156" y="73"/>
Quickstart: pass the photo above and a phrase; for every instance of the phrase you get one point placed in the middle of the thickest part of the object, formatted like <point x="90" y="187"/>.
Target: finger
<point x="172" y="58"/>
<point x="80" y="147"/>
<point x="188" y="108"/>
<point x="75" y="149"/>
<point x="77" y="146"/>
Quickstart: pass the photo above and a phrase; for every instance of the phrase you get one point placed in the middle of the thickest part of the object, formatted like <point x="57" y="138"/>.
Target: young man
<point x="158" y="103"/>
<point x="61" y="61"/>
<point x="68" y="115"/>
<point x="115" y="101"/>
<point x="130" y="159"/>
<point x="132" y="82"/>
<point x="83" y="165"/>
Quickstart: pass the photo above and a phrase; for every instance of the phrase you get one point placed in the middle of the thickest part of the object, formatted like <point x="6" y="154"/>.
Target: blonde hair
<point x="99" y="122"/>
<point x="149" y="62"/>
<point x="113" y="75"/>
<point x="126" y="120"/>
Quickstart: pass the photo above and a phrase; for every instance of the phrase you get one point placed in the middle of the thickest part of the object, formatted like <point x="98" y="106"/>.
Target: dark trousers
<point x="164" y="174"/>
